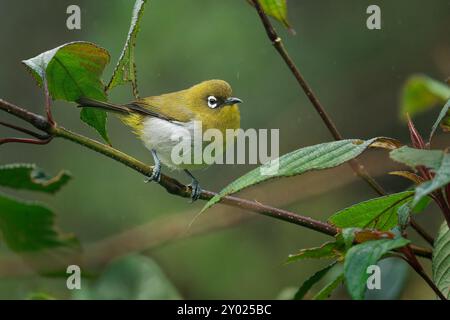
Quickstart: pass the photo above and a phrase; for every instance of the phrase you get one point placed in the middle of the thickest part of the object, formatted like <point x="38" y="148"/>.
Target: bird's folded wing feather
<point x="165" y="107"/>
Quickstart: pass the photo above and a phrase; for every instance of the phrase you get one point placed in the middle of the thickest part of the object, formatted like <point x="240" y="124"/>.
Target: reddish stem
<point x="26" y="140"/>
<point x="23" y="130"/>
<point x="48" y="102"/>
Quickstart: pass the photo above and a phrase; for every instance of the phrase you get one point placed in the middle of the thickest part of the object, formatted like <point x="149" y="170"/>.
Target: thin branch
<point x="23" y="130"/>
<point x="48" y="101"/>
<point x="39" y="122"/>
<point x="356" y="166"/>
<point x="422" y="232"/>
<point x="172" y="185"/>
<point x="25" y="140"/>
<point x="415" y="264"/>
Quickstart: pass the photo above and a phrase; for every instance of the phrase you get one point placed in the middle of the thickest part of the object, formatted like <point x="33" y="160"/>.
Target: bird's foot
<point x="156" y="174"/>
<point x="196" y="191"/>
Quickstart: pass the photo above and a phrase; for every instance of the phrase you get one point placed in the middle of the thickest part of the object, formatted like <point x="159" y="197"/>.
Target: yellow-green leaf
<point x="278" y="10"/>
<point x="421" y="93"/>
<point x="125" y="70"/>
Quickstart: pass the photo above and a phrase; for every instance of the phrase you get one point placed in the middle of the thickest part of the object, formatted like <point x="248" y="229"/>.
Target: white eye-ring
<point x="212" y="102"/>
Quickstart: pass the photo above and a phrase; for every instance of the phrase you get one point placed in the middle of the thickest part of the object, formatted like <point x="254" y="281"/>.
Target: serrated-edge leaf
<point x="328" y="250"/>
<point x="441" y="260"/>
<point x="19" y="241"/>
<point x="361" y="256"/>
<point x="29" y="177"/>
<point x="308" y="284"/>
<point x="125" y="70"/>
<point x="363" y="215"/>
<point x="417" y="157"/>
<point x="435" y="160"/>
<point x="329" y="288"/>
<point x="39" y="63"/>
<point x="43" y="66"/>
<point x="317" y="157"/>
<point x="442" y="115"/>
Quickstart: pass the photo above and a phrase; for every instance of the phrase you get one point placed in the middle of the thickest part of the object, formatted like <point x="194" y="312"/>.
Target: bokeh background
<point x="356" y="73"/>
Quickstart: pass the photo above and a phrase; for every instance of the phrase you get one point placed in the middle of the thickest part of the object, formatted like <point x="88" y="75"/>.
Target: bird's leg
<point x="196" y="190"/>
<point x="156" y="174"/>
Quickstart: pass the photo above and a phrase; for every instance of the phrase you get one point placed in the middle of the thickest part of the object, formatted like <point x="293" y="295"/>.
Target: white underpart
<point x="162" y="136"/>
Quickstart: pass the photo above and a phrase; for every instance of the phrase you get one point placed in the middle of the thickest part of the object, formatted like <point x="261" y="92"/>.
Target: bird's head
<point x="212" y="95"/>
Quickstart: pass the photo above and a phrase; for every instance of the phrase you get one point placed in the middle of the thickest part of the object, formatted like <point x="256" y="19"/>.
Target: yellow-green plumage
<point x="183" y="107"/>
<point x="160" y="120"/>
<point x="190" y="104"/>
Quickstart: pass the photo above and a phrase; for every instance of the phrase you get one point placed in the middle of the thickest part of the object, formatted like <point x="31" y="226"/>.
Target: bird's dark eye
<point x="212" y="102"/>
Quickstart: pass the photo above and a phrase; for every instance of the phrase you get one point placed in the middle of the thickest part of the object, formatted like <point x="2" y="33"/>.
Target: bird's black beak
<point x="231" y="101"/>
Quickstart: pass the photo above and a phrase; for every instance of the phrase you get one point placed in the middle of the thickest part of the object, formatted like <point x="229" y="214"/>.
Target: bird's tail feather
<point x="92" y="103"/>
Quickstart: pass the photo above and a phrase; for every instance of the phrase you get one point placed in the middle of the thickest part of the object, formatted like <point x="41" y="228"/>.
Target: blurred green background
<point x="357" y="74"/>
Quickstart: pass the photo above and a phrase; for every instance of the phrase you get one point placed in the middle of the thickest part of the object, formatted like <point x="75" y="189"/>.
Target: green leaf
<point x="441" y="260"/>
<point x="307" y="285"/>
<point x="360" y="257"/>
<point x="29" y="177"/>
<point x="278" y="10"/>
<point x="443" y="119"/>
<point x="133" y="277"/>
<point x="96" y="119"/>
<point x="317" y="157"/>
<point x="379" y="213"/>
<point x="40" y="296"/>
<point x="29" y="227"/>
<point x="436" y="160"/>
<point x="329" y="288"/>
<point x="421" y="93"/>
<point x="125" y="70"/>
<point x="72" y="71"/>
<point x="328" y="250"/>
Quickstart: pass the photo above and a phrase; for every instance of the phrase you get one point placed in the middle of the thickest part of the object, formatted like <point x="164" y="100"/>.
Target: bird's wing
<point x="147" y="110"/>
<point x="170" y="107"/>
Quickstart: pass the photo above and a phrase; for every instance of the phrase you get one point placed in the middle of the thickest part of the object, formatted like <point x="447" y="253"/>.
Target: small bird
<point x="156" y="120"/>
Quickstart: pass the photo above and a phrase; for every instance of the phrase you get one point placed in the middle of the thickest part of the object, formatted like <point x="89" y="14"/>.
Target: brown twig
<point x="422" y="232"/>
<point x="48" y="101"/>
<point x="172" y="185"/>
<point x="24" y="130"/>
<point x="415" y="264"/>
<point x="25" y="140"/>
<point x="356" y="166"/>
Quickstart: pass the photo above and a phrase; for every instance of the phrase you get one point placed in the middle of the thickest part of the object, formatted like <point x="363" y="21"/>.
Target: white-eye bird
<point x="160" y="121"/>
